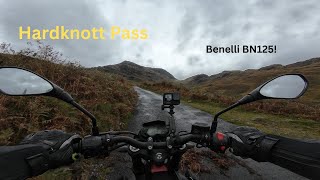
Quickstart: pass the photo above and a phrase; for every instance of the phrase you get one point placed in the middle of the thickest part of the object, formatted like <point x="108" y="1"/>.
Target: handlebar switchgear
<point x="219" y="142"/>
<point x="93" y="145"/>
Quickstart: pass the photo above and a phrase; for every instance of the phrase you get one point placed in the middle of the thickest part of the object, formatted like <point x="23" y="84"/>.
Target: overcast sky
<point x="178" y="31"/>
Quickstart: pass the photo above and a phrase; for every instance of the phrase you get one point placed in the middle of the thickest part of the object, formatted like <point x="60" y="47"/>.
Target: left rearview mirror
<point x="17" y="81"/>
<point x="20" y="82"/>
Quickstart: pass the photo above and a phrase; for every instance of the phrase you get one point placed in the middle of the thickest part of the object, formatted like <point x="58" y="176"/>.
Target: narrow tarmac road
<point x="149" y="109"/>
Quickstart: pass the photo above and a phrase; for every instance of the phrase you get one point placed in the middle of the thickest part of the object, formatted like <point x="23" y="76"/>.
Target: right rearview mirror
<point x="285" y="87"/>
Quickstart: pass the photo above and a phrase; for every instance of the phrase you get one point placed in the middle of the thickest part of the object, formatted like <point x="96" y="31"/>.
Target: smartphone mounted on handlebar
<point x="170" y="100"/>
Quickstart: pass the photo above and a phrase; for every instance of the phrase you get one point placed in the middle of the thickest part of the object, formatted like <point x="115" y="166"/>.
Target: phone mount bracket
<point x="171" y="107"/>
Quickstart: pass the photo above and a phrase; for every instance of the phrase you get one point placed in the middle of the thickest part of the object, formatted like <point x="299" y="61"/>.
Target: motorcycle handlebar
<point x="179" y="140"/>
<point x="93" y="145"/>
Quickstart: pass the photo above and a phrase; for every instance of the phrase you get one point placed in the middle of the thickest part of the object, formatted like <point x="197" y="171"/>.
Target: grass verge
<point x="273" y="124"/>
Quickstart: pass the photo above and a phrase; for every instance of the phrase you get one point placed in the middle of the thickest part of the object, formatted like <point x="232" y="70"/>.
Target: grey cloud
<point x="287" y="25"/>
<point x="150" y="62"/>
<point x="179" y="32"/>
<point x="138" y="55"/>
<point x="194" y="61"/>
<point x="265" y="4"/>
<point x="185" y="32"/>
<point x="71" y="14"/>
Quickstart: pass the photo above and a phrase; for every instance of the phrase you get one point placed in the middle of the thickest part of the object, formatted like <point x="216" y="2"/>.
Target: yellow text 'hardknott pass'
<point x="60" y="32"/>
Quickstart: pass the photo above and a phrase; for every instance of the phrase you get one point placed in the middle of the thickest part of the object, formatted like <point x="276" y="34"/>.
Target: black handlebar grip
<point x="92" y="146"/>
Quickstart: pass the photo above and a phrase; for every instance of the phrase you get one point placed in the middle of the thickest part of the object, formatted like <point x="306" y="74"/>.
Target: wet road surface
<point x="149" y="109"/>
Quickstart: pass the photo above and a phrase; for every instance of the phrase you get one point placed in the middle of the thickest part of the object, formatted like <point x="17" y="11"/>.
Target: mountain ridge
<point x="202" y="79"/>
<point x="139" y="73"/>
<point x="135" y="72"/>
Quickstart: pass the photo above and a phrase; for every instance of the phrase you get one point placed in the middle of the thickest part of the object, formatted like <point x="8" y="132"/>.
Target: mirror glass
<point x="287" y="87"/>
<point x="14" y="81"/>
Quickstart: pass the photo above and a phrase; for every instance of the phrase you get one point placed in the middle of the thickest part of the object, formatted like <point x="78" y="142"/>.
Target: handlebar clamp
<point x="150" y="143"/>
<point x="169" y="142"/>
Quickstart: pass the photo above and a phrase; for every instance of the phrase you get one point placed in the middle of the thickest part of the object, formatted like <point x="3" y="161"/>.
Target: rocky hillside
<point x="227" y="82"/>
<point x="197" y="79"/>
<point x="138" y="73"/>
<point x="238" y="83"/>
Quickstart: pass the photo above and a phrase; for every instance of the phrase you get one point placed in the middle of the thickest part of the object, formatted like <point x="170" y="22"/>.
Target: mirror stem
<point x="215" y="119"/>
<point x="246" y="99"/>
<point x="95" y="130"/>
